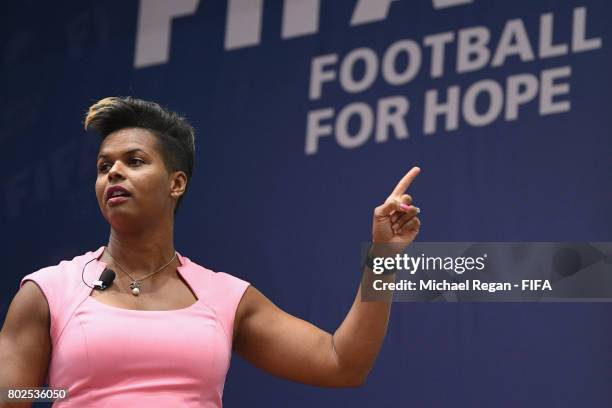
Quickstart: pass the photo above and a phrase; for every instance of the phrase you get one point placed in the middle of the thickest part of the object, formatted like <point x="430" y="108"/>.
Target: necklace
<point x="136" y="283"/>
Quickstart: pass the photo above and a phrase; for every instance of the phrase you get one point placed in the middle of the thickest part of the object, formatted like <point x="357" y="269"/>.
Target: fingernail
<point x="404" y="207"/>
<point x="418" y="210"/>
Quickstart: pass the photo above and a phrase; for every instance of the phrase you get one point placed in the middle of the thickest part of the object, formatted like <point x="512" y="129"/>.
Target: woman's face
<point x="133" y="185"/>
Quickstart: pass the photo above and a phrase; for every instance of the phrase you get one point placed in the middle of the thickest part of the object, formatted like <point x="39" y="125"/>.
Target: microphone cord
<point x="83" y="273"/>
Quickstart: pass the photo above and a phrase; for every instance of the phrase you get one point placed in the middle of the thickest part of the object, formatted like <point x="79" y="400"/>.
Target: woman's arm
<point x="294" y="349"/>
<point x="25" y="345"/>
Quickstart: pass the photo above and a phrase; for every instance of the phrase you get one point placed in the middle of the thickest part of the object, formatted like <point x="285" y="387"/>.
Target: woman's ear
<point x="178" y="183"/>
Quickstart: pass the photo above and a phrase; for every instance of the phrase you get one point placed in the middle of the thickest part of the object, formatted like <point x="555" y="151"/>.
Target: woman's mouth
<point x="117" y="200"/>
<point x="116" y="195"/>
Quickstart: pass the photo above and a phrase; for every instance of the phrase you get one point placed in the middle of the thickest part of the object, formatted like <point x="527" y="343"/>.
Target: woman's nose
<point x="116" y="171"/>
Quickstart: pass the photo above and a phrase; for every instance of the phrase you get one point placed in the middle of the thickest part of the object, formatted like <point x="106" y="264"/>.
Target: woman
<point x="162" y="334"/>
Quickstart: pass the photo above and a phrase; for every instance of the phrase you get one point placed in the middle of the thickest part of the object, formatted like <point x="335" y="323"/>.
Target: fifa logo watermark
<point x="244" y="22"/>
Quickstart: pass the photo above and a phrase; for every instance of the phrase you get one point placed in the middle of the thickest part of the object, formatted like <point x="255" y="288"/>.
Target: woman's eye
<point x="134" y="162"/>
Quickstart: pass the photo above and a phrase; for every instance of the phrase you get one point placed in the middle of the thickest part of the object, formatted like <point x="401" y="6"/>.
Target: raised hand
<point x="395" y="221"/>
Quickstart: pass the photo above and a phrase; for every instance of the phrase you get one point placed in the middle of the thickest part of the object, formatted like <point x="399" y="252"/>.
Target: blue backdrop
<point x="307" y="114"/>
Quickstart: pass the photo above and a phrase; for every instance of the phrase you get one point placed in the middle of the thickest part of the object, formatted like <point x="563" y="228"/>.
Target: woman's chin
<point x="121" y="218"/>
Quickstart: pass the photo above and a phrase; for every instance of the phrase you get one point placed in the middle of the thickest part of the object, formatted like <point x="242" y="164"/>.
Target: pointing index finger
<point x="405" y="182"/>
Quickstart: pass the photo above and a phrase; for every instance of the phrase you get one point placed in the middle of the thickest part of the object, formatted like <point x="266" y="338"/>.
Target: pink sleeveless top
<point x="112" y="357"/>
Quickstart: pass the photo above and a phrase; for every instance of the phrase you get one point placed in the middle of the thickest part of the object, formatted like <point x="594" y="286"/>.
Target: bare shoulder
<point x="32" y="299"/>
<point x="29" y="307"/>
<point x="25" y="343"/>
<point x="252" y="301"/>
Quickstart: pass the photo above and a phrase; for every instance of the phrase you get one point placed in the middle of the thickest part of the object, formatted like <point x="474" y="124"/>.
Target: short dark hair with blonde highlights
<point x="175" y="136"/>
